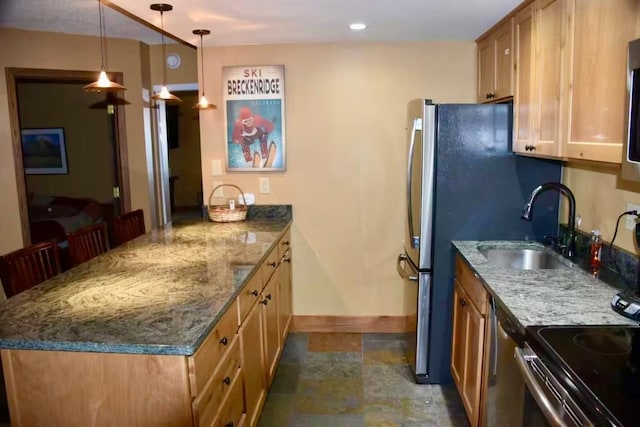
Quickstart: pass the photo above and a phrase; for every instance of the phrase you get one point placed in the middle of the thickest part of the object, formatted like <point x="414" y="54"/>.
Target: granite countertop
<point x="568" y="296"/>
<point x="161" y="293"/>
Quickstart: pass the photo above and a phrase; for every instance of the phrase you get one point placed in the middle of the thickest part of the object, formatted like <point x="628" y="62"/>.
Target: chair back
<point x="25" y="268"/>
<point x="87" y="243"/>
<point x="128" y="226"/>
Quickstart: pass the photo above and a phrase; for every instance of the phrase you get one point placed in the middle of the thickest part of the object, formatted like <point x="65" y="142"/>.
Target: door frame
<point x="12" y="76"/>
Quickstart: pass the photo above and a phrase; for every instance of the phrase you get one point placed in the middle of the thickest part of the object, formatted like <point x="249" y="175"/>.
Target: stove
<point x="599" y="366"/>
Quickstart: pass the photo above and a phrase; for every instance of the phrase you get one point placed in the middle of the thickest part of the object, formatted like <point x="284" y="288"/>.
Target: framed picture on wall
<point x="44" y="151"/>
<point x="254" y="117"/>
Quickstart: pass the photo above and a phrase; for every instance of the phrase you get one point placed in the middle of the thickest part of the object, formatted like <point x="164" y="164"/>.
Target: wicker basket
<point x="222" y="213"/>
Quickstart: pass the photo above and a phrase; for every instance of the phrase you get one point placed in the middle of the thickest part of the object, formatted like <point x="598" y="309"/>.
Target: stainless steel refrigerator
<point x="463" y="183"/>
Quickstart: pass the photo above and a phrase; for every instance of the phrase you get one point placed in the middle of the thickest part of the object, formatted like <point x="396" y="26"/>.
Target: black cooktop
<point x="601" y="366"/>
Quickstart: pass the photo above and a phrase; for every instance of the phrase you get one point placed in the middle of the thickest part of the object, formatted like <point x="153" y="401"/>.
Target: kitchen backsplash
<point x="615" y="261"/>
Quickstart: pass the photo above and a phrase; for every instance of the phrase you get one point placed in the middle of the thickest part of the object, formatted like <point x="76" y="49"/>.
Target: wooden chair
<point x="128" y="226"/>
<point x="25" y="268"/>
<point x="87" y="242"/>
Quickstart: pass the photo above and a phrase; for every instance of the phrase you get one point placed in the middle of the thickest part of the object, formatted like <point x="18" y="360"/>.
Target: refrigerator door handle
<point x="402" y="260"/>
<point x="415" y="240"/>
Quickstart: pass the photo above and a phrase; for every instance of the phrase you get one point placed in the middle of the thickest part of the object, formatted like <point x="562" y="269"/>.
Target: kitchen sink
<point x="523" y="259"/>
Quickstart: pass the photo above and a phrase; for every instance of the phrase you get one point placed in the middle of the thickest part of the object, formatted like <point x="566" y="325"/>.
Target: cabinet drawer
<point x="269" y="265"/>
<point x="248" y="296"/>
<point x="231" y="412"/>
<point x="284" y="244"/>
<point x="207" y="357"/>
<point x="472" y="285"/>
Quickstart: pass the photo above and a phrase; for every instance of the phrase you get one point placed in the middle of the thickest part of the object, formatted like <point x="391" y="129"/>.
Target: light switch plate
<point x="630" y="220"/>
<point x="265" y="185"/>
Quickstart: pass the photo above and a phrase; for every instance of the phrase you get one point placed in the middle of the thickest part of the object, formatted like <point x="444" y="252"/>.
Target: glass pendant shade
<point x="203" y="104"/>
<point x="103" y="84"/>
<point x="164" y="94"/>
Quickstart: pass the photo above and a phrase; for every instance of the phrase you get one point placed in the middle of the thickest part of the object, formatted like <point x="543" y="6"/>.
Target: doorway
<point x="69" y="152"/>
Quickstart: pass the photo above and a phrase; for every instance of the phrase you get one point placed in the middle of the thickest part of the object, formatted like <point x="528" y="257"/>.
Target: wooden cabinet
<point x="595" y="88"/>
<point x="570" y="77"/>
<point x="495" y="63"/>
<point x="468" y="340"/>
<point x="539" y="36"/>
<point x="285" y="299"/>
<point x="272" y="338"/>
<point x="253" y="367"/>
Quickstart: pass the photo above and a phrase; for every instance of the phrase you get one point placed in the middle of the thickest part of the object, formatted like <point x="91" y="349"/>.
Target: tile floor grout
<point x="354" y="380"/>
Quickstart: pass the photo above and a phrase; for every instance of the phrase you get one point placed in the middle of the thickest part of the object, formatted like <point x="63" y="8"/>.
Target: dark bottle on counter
<point x="595" y="250"/>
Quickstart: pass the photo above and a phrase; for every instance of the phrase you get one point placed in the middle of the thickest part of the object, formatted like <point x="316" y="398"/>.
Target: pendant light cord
<point x="164" y="53"/>
<point x="202" y="63"/>
<point x="103" y="42"/>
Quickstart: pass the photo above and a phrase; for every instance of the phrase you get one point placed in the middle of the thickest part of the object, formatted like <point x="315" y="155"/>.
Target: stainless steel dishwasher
<point x="504" y="402"/>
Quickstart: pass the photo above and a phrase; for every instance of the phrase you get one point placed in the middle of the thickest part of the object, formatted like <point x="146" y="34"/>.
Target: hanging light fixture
<point x="103" y="84"/>
<point x="164" y="93"/>
<point x="203" y="104"/>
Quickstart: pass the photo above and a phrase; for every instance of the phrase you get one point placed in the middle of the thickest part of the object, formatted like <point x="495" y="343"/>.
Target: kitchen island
<point x="139" y="335"/>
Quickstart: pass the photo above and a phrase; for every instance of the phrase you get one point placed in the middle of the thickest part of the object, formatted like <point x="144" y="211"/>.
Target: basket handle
<point x="229" y="185"/>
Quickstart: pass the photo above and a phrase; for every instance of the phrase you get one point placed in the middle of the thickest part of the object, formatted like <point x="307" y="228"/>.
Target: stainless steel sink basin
<point x="522" y="259"/>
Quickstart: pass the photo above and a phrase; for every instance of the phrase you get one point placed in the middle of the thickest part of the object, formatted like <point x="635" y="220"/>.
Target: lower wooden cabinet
<point x="468" y="340"/>
<point x="271" y="326"/>
<point x="252" y="362"/>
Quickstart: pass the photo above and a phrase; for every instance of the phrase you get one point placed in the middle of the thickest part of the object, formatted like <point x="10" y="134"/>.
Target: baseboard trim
<point x="397" y="324"/>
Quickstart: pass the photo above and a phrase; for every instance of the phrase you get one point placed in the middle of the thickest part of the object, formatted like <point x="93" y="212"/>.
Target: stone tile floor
<point x="340" y="379"/>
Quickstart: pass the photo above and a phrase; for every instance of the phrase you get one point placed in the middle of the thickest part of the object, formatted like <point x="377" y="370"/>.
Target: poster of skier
<point x="254" y="117"/>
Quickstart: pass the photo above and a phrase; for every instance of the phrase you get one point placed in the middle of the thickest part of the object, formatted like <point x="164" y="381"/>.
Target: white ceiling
<point x="266" y="21"/>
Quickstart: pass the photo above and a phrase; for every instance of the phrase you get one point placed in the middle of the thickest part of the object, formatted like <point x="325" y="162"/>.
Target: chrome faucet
<point x="569" y="249"/>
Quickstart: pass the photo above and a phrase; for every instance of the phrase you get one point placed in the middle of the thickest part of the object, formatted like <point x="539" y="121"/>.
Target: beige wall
<point x="184" y="161"/>
<point x="345" y="138"/>
<point x="88" y="138"/>
<point x="601" y="196"/>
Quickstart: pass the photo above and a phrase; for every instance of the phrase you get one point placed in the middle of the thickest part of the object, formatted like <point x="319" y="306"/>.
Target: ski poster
<point x="253" y="98"/>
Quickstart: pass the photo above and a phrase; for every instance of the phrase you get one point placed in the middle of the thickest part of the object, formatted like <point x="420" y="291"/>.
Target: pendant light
<point x="164" y="93"/>
<point x="103" y="84"/>
<point x="203" y="104"/>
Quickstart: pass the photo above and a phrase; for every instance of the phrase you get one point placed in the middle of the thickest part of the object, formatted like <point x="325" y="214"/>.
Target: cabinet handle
<point x="227" y="380"/>
<point x="487" y="96"/>
<point x="273" y="264"/>
<point x="264" y="301"/>
<point x="285" y="243"/>
<point x="269" y="296"/>
<point x="254" y="293"/>
<point x="224" y="341"/>
<point x="286" y="260"/>
<point x="462" y="302"/>
<point x="533" y="148"/>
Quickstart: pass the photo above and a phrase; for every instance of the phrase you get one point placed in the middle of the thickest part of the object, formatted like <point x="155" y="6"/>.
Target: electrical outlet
<point x="218" y="193"/>
<point x="630" y="223"/>
<point x="265" y="186"/>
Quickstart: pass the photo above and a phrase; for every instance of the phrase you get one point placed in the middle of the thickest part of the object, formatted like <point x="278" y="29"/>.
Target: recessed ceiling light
<point x="357" y="26"/>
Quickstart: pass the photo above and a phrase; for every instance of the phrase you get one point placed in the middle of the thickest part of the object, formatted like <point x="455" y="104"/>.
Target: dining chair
<point x="25" y="268"/>
<point x="87" y="243"/>
<point x="128" y="226"/>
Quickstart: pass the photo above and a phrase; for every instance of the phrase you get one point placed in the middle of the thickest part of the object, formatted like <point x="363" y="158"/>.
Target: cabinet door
<point x="503" y="41"/>
<point x="598" y="41"/>
<point x="457" y="342"/>
<point x="486" y="69"/>
<point x="285" y="295"/>
<point x="524" y="99"/>
<point x="252" y="359"/>
<point x="271" y="328"/>
<point x="549" y="36"/>
<point x="467" y="352"/>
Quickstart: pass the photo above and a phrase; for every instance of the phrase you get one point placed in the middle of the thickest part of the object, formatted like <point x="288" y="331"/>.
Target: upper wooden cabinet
<point x="570" y="77"/>
<point x="495" y="63"/>
<point x="595" y="90"/>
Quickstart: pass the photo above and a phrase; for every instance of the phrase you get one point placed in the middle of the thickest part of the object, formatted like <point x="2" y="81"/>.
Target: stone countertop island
<point x="161" y="293"/>
<point x="566" y="296"/>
